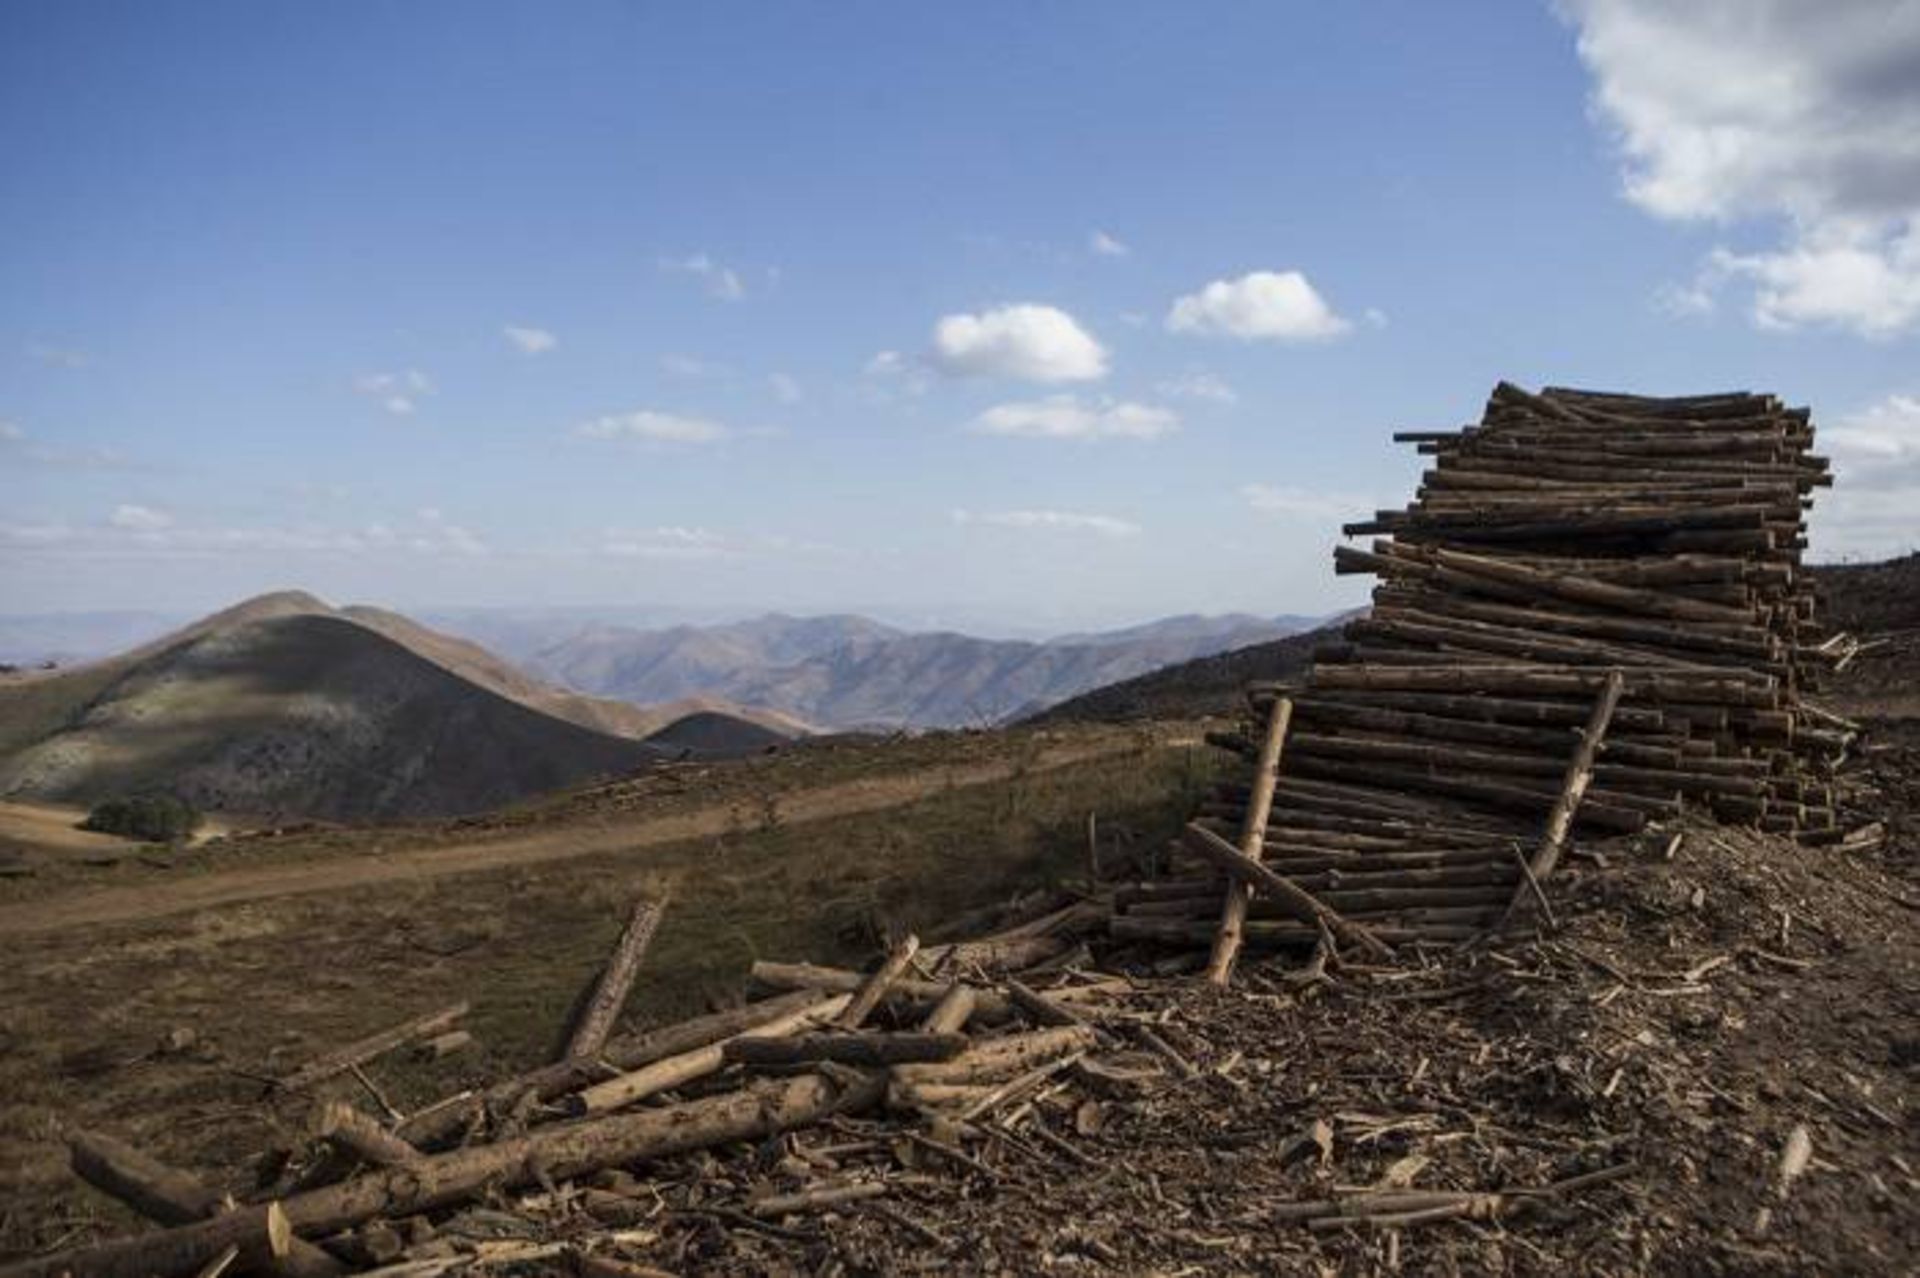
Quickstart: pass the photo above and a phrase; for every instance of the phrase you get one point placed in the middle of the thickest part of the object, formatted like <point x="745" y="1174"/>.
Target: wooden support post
<point x="1253" y="835"/>
<point x="1251" y="875"/>
<point x="616" y="979"/>
<point x="1572" y="789"/>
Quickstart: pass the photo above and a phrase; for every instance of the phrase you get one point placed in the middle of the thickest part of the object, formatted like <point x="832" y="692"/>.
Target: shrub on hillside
<point x="156" y="818"/>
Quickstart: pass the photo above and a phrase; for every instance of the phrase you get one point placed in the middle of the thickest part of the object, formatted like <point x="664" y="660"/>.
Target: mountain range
<point x="849" y="672"/>
<point x="284" y="706"/>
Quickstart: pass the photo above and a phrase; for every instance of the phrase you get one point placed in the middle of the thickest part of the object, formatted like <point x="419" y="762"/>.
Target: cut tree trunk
<point x="615" y="982"/>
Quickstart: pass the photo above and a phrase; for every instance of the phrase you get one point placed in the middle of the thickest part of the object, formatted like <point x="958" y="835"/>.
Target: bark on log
<point x="1572" y="790"/>
<point x="951" y="1014"/>
<point x="170" y="1196"/>
<point x="989" y="1005"/>
<point x="346" y="1127"/>
<point x="1506" y="679"/>
<point x="996" y="1059"/>
<point x="438" y="1123"/>
<point x="1622" y="813"/>
<point x="868" y="996"/>
<point x="1257" y="877"/>
<point x="678" y="1071"/>
<point x="615" y="981"/>
<point x="1233" y="910"/>
<point x="846" y="1049"/>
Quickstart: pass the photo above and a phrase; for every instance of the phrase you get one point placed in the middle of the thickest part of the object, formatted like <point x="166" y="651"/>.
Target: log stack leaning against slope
<point x="1568" y="535"/>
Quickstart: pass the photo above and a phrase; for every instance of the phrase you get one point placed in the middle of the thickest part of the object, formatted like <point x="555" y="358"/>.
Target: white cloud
<point x="132" y="531"/>
<point x="1198" y="384"/>
<point x="1876" y="464"/>
<point x="669" y="543"/>
<point x="12" y="433"/>
<point x="1305" y="503"/>
<point x="1889" y="430"/>
<point x="1279" y="306"/>
<point x="139" y="518"/>
<point x="723" y="282"/>
<point x="1067" y="521"/>
<point x="890" y="373"/>
<point x="1101" y="244"/>
<point x="398" y="393"/>
<point x="1774" y="110"/>
<point x="1070" y="417"/>
<point x="530" y="341"/>
<point x="785" y="388"/>
<point x="653" y="427"/>
<point x="57" y="356"/>
<point x="1026" y="341"/>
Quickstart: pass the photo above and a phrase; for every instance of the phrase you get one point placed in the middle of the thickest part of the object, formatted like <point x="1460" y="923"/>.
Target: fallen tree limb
<point x="170" y="1196"/>
<point x="342" y="1059"/>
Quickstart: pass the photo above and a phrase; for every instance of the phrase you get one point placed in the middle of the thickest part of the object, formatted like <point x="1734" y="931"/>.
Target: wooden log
<point x="845" y="1048"/>
<point x="1040" y="1009"/>
<point x="342" y="1059"/>
<point x="155" y="1190"/>
<point x="347" y="1128"/>
<point x="997" y="954"/>
<point x="1233" y="910"/>
<point x="1506" y="679"/>
<point x="610" y="990"/>
<point x="678" y="1071"/>
<point x="1277" y="933"/>
<point x="1488" y="709"/>
<point x="1393" y="620"/>
<point x="874" y="988"/>
<point x="994" y="1059"/>
<point x="1257" y="877"/>
<point x="560" y="1152"/>
<point x="1623" y="813"/>
<point x="1572" y="789"/>
<point x="951" y="1014"/>
<point x="170" y="1196"/>
<point x="434" y="1125"/>
<point x="989" y="1005"/>
<point x="1604" y="594"/>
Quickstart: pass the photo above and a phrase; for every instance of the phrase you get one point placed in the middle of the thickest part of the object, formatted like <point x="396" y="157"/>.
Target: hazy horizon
<point x="1006" y="318"/>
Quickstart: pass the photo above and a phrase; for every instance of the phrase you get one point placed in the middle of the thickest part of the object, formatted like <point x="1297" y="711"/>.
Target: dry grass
<point x="268" y="984"/>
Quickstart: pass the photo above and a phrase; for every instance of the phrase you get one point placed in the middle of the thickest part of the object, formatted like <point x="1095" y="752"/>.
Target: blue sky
<point x="999" y="315"/>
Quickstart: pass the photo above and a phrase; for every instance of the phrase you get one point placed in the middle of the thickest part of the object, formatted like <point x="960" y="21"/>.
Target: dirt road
<point x="157" y="899"/>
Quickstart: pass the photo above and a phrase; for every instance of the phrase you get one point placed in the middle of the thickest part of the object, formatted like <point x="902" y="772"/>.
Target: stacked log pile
<point x="1571" y="542"/>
